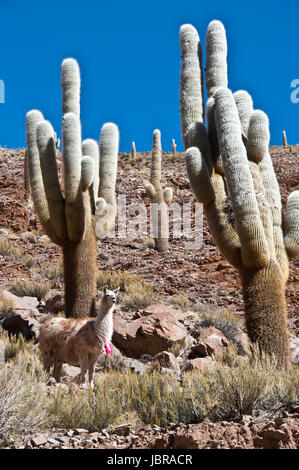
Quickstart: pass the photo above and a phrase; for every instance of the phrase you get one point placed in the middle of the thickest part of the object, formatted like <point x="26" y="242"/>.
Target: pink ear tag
<point x="108" y="348"/>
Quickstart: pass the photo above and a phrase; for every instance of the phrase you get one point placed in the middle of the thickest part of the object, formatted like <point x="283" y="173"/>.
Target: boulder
<point x="200" y="363"/>
<point x="15" y="324"/>
<point x="212" y="342"/>
<point x="151" y="334"/>
<point x="21" y="305"/>
<point x="55" y="304"/>
<point x="168" y="360"/>
<point x="294" y="349"/>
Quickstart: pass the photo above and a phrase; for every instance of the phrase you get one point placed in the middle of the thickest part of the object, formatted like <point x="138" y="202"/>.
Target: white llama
<point x="78" y="340"/>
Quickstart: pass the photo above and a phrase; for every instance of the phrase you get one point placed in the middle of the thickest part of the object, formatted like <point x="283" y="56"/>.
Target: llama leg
<point x="84" y="366"/>
<point x="92" y="361"/>
<point x="57" y="369"/>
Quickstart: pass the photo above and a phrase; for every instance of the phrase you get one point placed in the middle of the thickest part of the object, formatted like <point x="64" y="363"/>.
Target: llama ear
<point x="105" y="289"/>
<point x="116" y="290"/>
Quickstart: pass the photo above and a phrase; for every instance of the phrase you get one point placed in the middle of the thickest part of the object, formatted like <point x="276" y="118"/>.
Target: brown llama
<point x="78" y="340"/>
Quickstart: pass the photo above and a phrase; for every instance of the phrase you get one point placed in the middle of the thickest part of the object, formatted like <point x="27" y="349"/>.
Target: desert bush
<point x="122" y="279"/>
<point x="27" y="260"/>
<point x="154" y="398"/>
<point x="23" y="398"/>
<point x="114" y="362"/>
<point x="138" y="296"/>
<point x="180" y="301"/>
<point x="246" y="386"/>
<point x="53" y="272"/>
<point x="8" y="250"/>
<point x="23" y="288"/>
<point x="6" y="309"/>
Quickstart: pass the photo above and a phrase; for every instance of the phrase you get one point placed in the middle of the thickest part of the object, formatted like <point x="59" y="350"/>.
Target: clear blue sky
<point x="129" y="56"/>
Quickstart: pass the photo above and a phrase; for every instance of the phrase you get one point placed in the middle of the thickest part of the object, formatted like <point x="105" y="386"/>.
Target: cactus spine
<point x="67" y="216"/>
<point x="240" y="194"/>
<point x="161" y="199"/>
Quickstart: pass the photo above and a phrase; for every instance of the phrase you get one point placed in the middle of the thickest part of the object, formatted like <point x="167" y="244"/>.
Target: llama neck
<point x="104" y="323"/>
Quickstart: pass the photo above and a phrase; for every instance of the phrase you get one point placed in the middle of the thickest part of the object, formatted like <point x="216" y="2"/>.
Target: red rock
<point x="200" y="363"/>
<point x="149" y="335"/>
<point x="213" y="342"/>
<point x="55" y="304"/>
<point x="16" y="325"/>
<point x="168" y="360"/>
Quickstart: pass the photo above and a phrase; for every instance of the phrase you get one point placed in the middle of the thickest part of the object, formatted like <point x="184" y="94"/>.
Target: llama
<point x="78" y="340"/>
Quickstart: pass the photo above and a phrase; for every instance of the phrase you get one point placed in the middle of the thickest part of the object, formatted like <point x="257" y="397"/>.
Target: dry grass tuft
<point x="6" y="309"/>
<point x="23" y="288"/>
<point x="114" y="279"/>
<point x="138" y="297"/>
<point x="23" y="398"/>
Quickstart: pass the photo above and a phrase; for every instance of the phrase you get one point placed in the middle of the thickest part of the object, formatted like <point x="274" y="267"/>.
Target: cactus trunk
<point x="266" y="310"/>
<point x="80" y="275"/>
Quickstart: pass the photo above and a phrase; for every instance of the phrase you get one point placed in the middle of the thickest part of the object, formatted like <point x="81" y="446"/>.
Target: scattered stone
<point x="294" y="348"/>
<point x="212" y="343"/>
<point x="145" y="358"/>
<point x="80" y="431"/>
<point x="38" y="441"/>
<point x="54" y="442"/>
<point x="123" y="429"/>
<point x="16" y="325"/>
<point x="21" y="305"/>
<point x="200" y="363"/>
<point x="168" y="360"/>
<point x="55" y="304"/>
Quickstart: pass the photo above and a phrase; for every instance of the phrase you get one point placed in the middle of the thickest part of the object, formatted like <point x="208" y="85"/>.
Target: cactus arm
<point x="271" y="188"/>
<point x="254" y="248"/>
<point x="168" y="195"/>
<point x="258" y="136"/>
<point x="198" y="175"/>
<point x="156" y="160"/>
<point x="71" y="144"/>
<point x="211" y="192"/>
<point x="191" y="79"/>
<point x="213" y="137"/>
<point x="109" y="142"/>
<point x="55" y="198"/>
<point x="222" y="229"/>
<point x="198" y="137"/>
<point x="87" y="172"/>
<point x="216" y="52"/>
<point x="70" y="82"/>
<point x="150" y="190"/>
<point x="245" y="108"/>
<point x="264" y="208"/>
<point x="90" y="147"/>
<point x="291" y="224"/>
<point x="36" y="179"/>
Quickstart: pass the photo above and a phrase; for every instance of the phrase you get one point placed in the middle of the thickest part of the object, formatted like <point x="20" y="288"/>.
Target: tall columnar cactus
<point x="160" y="198"/>
<point x="67" y="215"/>
<point x="232" y="174"/>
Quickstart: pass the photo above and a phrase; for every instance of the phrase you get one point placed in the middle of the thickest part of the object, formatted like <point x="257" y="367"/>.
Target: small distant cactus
<point x="133" y="150"/>
<point x="284" y="138"/>
<point x="173" y="147"/>
<point x="162" y="198"/>
<point x="67" y="216"/>
<point x="231" y="173"/>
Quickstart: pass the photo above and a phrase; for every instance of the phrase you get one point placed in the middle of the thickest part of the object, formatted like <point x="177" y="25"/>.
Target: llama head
<point x="110" y="296"/>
